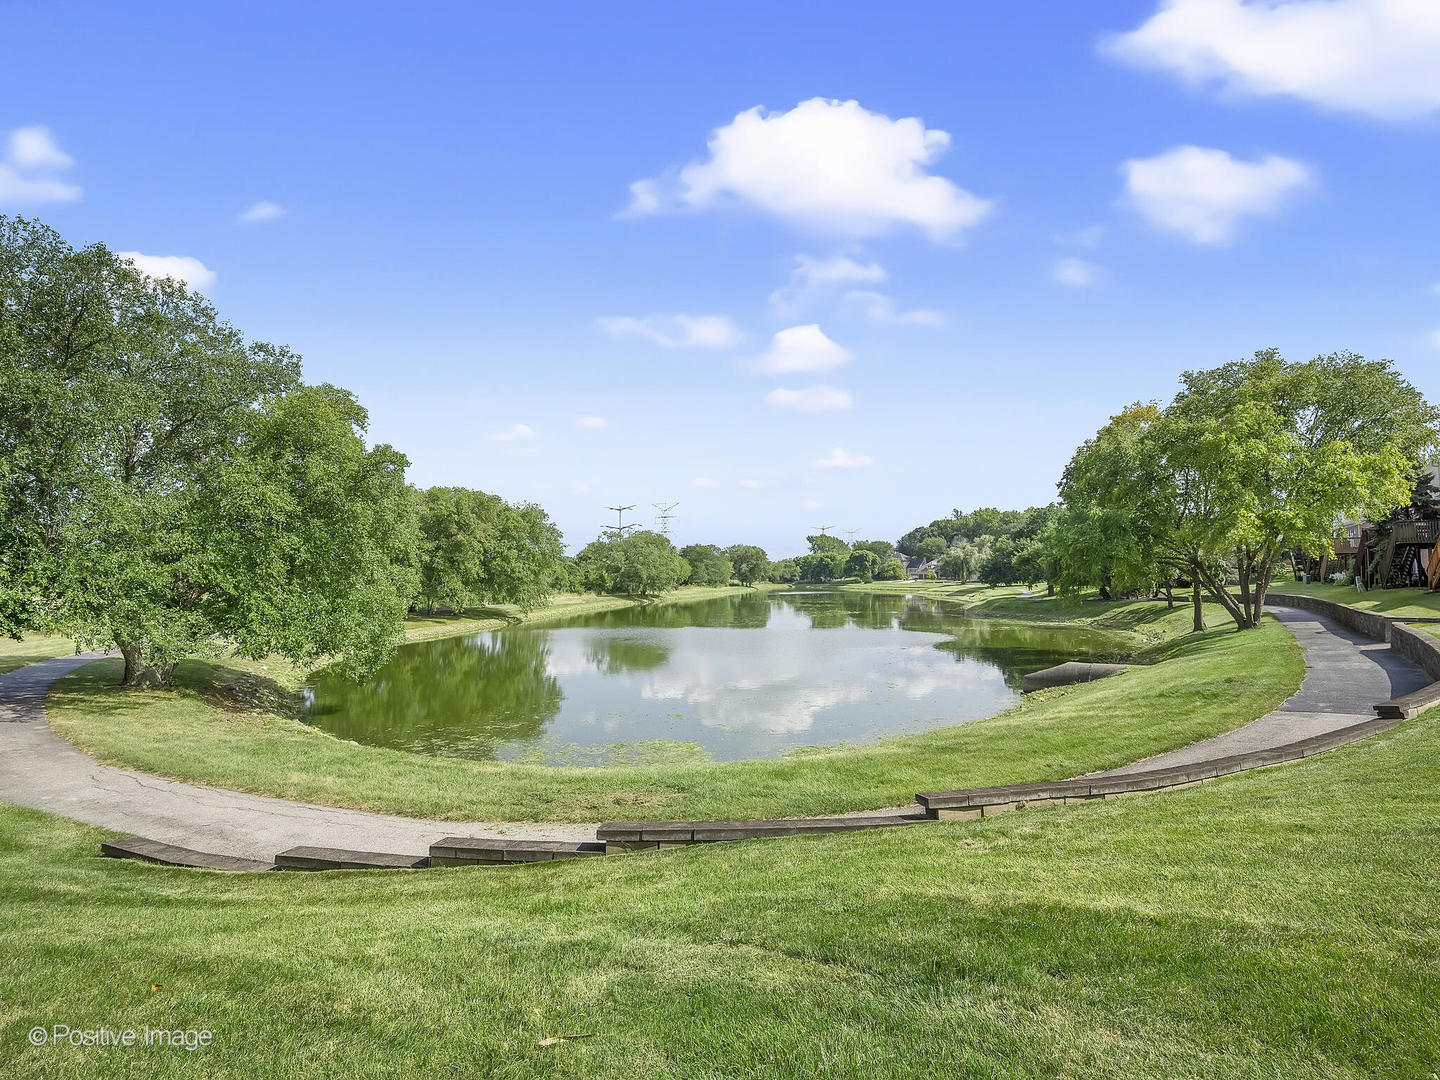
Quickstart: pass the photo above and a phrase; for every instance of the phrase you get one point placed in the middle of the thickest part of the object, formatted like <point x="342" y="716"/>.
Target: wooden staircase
<point x="1407" y="549"/>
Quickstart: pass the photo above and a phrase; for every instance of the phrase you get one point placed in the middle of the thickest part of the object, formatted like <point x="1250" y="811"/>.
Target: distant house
<point x="917" y="566"/>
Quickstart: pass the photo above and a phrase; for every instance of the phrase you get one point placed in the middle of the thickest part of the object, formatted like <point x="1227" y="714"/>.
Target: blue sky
<point x="456" y="236"/>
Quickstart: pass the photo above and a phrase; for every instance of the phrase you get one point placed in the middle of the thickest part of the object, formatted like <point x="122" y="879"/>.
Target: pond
<point x="753" y="675"/>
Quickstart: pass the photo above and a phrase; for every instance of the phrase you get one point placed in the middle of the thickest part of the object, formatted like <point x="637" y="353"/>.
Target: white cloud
<point x="1076" y="273"/>
<point x="1203" y="193"/>
<point x="514" y="433"/>
<point x="832" y="165"/>
<point x="593" y="422"/>
<point x="644" y="200"/>
<point x="812" y="399"/>
<point x="263" y="211"/>
<point x="579" y="489"/>
<point x="1435" y="339"/>
<point x="189" y="271"/>
<point x="33" y="148"/>
<point x="705" y="482"/>
<point x="752" y="484"/>
<point x="843" y="459"/>
<point x="29" y="167"/>
<point x="1377" y="57"/>
<point x="802" y="348"/>
<point x="814" y="504"/>
<point x="1435" y="288"/>
<point x="676" y="331"/>
<point x="880" y="308"/>
<point x="815" y="278"/>
<point x="1088" y="237"/>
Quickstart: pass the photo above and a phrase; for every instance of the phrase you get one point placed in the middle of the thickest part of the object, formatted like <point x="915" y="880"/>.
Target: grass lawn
<point x="1406" y="603"/>
<point x="35" y="647"/>
<point x="1276" y="924"/>
<point x="219" y="728"/>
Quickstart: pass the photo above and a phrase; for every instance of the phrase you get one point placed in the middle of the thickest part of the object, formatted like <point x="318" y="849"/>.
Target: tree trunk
<point x="1169" y="595"/>
<point x="1222" y="596"/>
<point x="1262" y="587"/>
<point x="1196" y="605"/>
<point x="138" y="672"/>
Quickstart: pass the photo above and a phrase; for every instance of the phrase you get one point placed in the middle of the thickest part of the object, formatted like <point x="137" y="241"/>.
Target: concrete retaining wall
<point x="1362" y="622"/>
<point x="1418" y="647"/>
<point x="1415" y="645"/>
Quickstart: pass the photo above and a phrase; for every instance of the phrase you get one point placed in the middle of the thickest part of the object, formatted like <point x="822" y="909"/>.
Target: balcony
<point x="1416" y="532"/>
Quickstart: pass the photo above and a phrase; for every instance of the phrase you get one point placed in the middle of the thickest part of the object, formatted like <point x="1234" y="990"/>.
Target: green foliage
<point x="1250" y="460"/>
<point x="821" y="566"/>
<point x="641" y="564"/>
<point x="882" y="549"/>
<point x="785" y="571"/>
<point x="821" y="544"/>
<point x="985" y="521"/>
<point x="960" y="563"/>
<point x="998" y="568"/>
<point x="932" y="547"/>
<point x="166" y="487"/>
<point x="708" y="565"/>
<point x="862" y="564"/>
<point x="891" y="570"/>
<point x="475" y="548"/>
<point x="750" y="562"/>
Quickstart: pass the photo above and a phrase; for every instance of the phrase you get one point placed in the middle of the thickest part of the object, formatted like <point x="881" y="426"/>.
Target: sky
<point x="787" y="266"/>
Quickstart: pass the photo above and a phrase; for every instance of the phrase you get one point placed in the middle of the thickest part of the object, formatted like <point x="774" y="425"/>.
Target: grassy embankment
<point x="16" y="654"/>
<point x="1274" y="924"/>
<point x="218" y="727"/>
<point x="1404" y="603"/>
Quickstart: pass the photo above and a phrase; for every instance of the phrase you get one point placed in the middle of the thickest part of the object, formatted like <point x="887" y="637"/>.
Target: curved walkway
<point x="1345" y="676"/>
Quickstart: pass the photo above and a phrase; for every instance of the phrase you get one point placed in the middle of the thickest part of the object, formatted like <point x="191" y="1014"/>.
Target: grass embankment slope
<point x="1274" y="924"/>
<point x="32" y="649"/>
<point x="205" y="732"/>
<point x="1403" y="603"/>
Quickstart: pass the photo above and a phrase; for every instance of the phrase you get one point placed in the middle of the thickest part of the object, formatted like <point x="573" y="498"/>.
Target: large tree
<point x="750" y="562"/>
<point x="475" y="548"/>
<point x="1250" y="460"/>
<point x="640" y="564"/>
<point x="708" y="565"/>
<point x="169" y="489"/>
<point x="862" y="564"/>
<point x="825" y="544"/>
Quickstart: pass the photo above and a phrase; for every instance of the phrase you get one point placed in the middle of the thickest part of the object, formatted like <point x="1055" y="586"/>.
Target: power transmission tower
<point x="823" y="528"/>
<point x="617" y="530"/>
<point x="850" y="535"/>
<point x="663" y="518"/>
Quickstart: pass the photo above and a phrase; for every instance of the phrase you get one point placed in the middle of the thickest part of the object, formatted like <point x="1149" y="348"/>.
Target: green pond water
<point x="753" y="675"/>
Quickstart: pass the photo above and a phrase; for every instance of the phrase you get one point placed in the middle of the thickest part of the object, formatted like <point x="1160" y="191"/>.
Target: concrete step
<point x="137" y="847"/>
<point x="323" y="858"/>
<point x="493" y="851"/>
<point x="622" y="836"/>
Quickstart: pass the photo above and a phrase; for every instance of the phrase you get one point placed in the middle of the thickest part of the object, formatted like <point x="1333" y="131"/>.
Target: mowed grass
<point x="32" y="649"/>
<point x="1404" y="603"/>
<point x="1200" y="685"/>
<point x="1277" y="924"/>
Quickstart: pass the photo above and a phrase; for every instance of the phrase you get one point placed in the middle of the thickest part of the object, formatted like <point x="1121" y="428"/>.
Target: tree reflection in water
<point x="749" y="675"/>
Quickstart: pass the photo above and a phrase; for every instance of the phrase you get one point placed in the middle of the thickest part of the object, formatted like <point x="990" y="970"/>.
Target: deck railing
<point x="1416" y="532"/>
